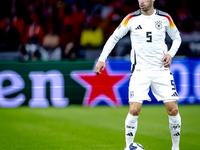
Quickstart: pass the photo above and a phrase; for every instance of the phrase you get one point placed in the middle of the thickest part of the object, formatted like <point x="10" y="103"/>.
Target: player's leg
<point x="138" y="91"/>
<point x="174" y="122"/>
<point x="131" y="121"/>
<point x="163" y="88"/>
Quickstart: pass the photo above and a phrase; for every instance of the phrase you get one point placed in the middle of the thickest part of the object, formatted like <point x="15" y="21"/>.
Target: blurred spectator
<point x="67" y="19"/>
<point x="29" y="52"/>
<point x="9" y="36"/>
<point x="70" y="32"/>
<point x="92" y="35"/>
<point x="70" y="46"/>
<point x="47" y="11"/>
<point x="75" y="17"/>
<point x="103" y="8"/>
<point x="34" y="31"/>
<point x="78" y="14"/>
<point x="73" y="51"/>
<point x="61" y="9"/>
<point x="16" y="22"/>
<point x="50" y="48"/>
<point x="67" y="37"/>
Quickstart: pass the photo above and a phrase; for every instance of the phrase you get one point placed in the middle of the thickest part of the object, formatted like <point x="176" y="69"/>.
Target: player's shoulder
<point x="130" y="16"/>
<point x="137" y="13"/>
<point x="134" y="14"/>
<point x="162" y="13"/>
<point x="167" y="17"/>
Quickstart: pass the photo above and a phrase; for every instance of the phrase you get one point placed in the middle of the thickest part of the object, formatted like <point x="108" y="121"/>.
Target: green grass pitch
<point x="98" y="128"/>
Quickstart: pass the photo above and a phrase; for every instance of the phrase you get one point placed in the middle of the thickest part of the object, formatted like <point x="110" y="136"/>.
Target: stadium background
<point x="38" y="36"/>
<point x="48" y="49"/>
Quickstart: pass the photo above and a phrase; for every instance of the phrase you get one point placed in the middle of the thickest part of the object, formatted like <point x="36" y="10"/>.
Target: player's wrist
<point x="170" y="54"/>
<point x="101" y="59"/>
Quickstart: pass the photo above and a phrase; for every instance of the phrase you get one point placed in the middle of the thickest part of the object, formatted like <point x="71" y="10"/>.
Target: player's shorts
<point x="161" y="83"/>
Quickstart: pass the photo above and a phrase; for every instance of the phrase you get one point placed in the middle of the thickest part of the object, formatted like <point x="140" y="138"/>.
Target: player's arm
<point x="175" y="36"/>
<point x="111" y="42"/>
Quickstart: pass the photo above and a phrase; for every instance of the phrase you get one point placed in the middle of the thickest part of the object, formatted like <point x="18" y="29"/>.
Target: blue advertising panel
<point x="186" y="77"/>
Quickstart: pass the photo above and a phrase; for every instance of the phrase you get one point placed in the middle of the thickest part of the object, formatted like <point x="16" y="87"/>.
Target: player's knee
<point x="173" y="111"/>
<point x="134" y="111"/>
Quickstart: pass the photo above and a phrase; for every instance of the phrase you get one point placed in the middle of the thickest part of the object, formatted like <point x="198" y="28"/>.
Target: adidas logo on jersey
<point x="175" y="94"/>
<point x="138" y="27"/>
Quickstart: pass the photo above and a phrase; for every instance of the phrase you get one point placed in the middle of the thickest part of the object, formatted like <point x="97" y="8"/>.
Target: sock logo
<point x="174" y="127"/>
<point x="131" y="127"/>
<point x="177" y="134"/>
<point x="129" y="134"/>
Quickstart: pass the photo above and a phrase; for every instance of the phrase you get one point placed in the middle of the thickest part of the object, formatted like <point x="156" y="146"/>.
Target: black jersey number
<point x="149" y="36"/>
<point x="173" y="85"/>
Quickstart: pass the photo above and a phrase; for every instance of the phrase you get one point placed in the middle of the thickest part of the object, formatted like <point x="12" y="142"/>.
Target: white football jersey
<point x="147" y="35"/>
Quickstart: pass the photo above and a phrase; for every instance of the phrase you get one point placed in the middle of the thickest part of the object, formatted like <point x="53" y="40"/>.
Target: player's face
<point x="145" y="5"/>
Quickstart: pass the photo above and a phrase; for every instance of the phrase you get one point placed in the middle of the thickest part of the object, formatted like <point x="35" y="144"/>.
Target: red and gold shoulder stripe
<point x="172" y="25"/>
<point x="126" y="19"/>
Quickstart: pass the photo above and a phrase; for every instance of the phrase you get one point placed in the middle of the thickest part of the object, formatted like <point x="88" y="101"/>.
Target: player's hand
<point x="167" y="60"/>
<point x="100" y="66"/>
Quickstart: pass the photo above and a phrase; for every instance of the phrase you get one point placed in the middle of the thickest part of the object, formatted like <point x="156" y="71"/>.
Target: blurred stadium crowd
<point x="53" y="30"/>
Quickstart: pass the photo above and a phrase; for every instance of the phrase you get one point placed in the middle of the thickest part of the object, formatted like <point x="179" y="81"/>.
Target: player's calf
<point x="130" y="128"/>
<point x="174" y="123"/>
<point x="175" y="128"/>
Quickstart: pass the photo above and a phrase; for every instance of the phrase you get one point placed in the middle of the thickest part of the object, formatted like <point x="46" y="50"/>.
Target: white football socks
<point x="130" y="128"/>
<point x="175" y="127"/>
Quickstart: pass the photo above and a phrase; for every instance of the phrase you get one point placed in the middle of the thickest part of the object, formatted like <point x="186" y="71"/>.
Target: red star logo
<point x="101" y="88"/>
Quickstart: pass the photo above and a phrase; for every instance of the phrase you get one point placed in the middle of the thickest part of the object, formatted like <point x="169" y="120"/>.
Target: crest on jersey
<point x="158" y="25"/>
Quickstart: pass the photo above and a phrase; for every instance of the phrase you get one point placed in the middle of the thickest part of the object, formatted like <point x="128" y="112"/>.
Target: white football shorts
<point x="161" y="83"/>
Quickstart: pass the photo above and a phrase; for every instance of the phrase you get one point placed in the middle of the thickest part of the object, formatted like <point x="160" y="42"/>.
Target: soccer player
<point x="151" y="60"/>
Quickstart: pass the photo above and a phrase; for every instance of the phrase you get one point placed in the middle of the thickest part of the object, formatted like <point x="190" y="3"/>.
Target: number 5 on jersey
<point x="149" y="36"/>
